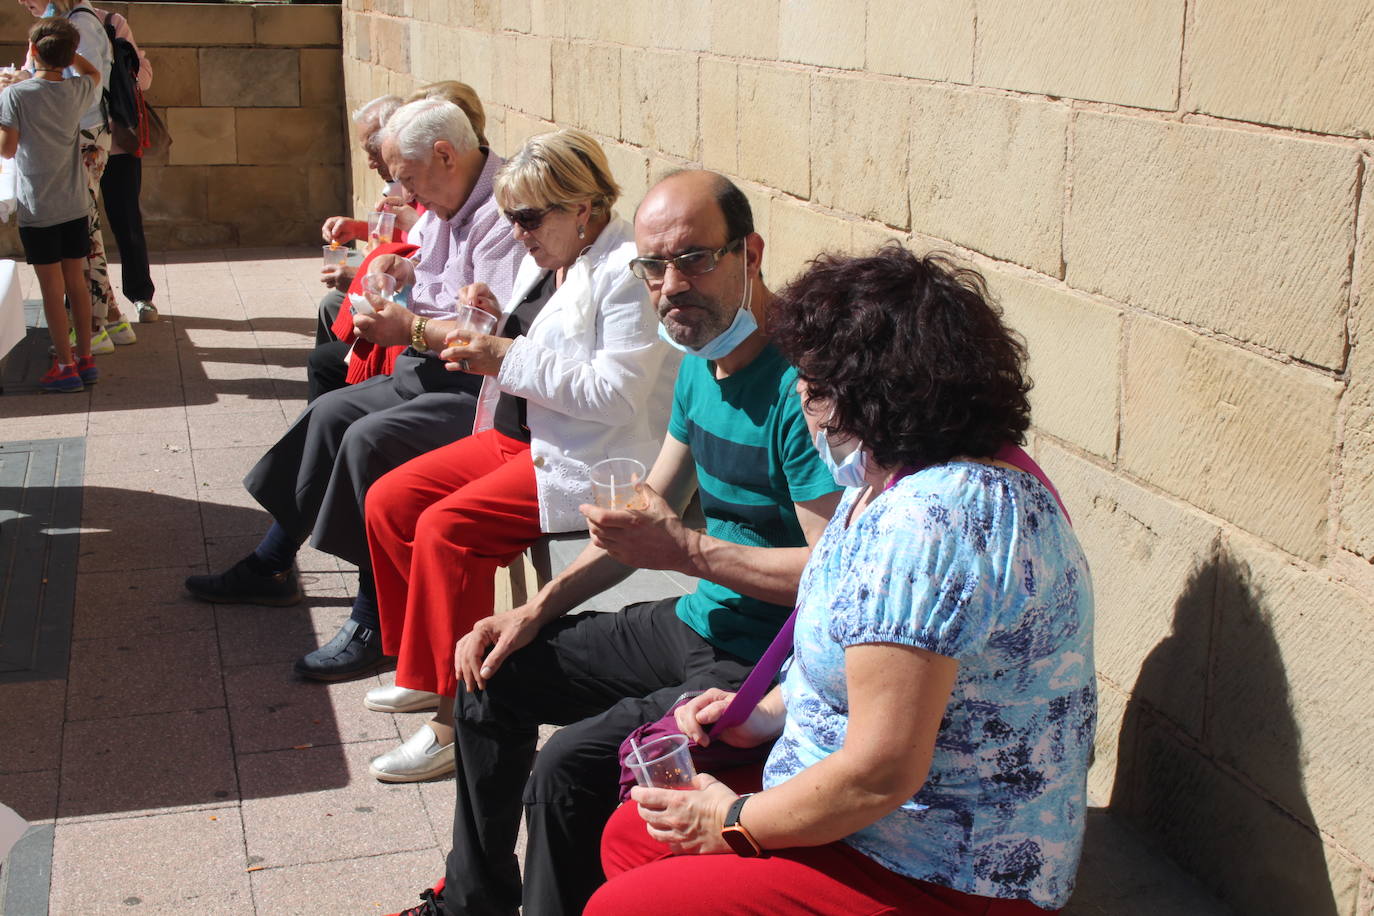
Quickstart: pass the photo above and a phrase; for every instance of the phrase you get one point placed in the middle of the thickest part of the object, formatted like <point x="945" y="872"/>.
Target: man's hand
<point x="479" y="654"/>
<point x="649" y="538"/>
<point x="389" y="326"/>
<point x="341" y="229"/>
<point x="687" y="822"/>
<point x="337" y="276"/>
<point x="400" y="268"/>
<point x="406" y="215"/>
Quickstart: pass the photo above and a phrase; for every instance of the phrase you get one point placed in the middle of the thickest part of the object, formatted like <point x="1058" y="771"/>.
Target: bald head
<point x="690" y="193"/>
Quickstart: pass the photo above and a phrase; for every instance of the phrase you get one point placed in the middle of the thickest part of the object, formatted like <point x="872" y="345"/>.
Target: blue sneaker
<point x="85" y="367"/>
<point x="62" y="379"/>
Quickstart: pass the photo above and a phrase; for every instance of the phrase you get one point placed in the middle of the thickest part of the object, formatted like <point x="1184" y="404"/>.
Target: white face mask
<point x="850" y="471"/>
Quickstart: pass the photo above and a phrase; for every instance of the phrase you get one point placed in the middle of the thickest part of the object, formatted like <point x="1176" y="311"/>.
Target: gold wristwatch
<point x="417" y="335"/>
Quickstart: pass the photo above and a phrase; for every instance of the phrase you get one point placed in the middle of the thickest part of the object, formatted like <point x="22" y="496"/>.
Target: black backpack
<point x="122" y="98"/>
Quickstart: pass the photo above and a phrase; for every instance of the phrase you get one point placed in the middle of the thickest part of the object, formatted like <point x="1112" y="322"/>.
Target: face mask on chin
<point x="848" y="472"/>
<point x="724" y="343"/>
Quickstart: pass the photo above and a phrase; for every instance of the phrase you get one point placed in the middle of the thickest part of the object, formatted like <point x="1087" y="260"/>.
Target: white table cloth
<point x="8" y="203"/>
<point x="12" y="328"/>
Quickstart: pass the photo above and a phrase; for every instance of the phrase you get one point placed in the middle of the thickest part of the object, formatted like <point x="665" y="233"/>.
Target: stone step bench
<point x="1121" y="874"/>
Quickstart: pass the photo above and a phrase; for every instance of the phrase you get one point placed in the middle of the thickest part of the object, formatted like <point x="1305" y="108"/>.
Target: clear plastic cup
<point x="335" y="254"/>
<point x="380" y="226"/>
<point x="663" y="763"/>
<point x="383" y="286"/>
<point x="468" y="321"/>
<point x="614" y="483"/>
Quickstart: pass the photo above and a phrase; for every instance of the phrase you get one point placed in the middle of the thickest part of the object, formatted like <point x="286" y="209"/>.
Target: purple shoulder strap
<point x="760" y="680"/>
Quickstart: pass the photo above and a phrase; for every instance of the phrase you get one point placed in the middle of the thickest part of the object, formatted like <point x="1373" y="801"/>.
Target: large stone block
<point x="328" y="191"/>
<point x="434" y="51"/>
<point x="720" y="137"/>
<point x="321" y="77"/>
<point x="263" y="201"/>
<point x="1256" y="856"/>
<point x="1299" y="65"/>
<point x="358" y="36"/>
<point x="1153" y="563"/>
<point x="586" y="86"/>
<point x="860" y="129"/>
<point x="797" y="234"/>
<point x="175" y="194"/>
<point x="631" y="170"/>
<point x="297" y="26"/>
<point x="822" y="32"/>
<point x="681" y="25"/>
<point x="176" y="78"/>
<point x="203" y="136"/>
<point x="1356" y="532"/>
<point x="520" y="127"/>
<point x="250" y="77"/>
<point x="1075" y="360"/>
<point x="745" y="28"/>
<point x="1111" y="708"/>
<point x="534" y="77"/>
<point x="505" y="68"/>
<point x="1236" y="434"/>
<point x="290" y="136"/>
<point x="1290" y="699"/>
<point x="931" y="40"/>
<point x="774" y="129"/>
<point x="658" y="101"/>
<point x="549" y="17"/>
<point x="987" y="172"/>
<point x="629" y="24"/>
<point x="514" y="15"/>
<point x="475" y="62"/>
<point x="188" y="24"/>
<point x="1238" y="232"/>
<point x="1083" y="49"/>
<point x="391" y="44"/>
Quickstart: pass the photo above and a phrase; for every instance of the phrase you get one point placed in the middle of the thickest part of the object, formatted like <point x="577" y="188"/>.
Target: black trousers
<point x="120" y="188"/>
<point x="325" y="367"/>
<point x="317" y="474"/>
<point x="599" y="676"/>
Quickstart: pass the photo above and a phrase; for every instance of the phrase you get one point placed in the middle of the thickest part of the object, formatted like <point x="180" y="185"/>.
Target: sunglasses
<point x="691" y="264"/>
<point x="528" y="218"/>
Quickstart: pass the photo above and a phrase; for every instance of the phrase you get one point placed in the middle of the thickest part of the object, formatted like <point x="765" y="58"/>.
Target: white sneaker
<point x="400" y="699"/>
<point x="101" y="344"/>
<point x="421" y="757"/>
<point x="121" y="332"/>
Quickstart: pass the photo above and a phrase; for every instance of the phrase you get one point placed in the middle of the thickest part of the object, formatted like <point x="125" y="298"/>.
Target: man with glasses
<point x="737" y="434"/>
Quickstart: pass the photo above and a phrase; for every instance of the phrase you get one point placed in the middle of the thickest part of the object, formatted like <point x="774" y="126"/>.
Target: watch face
<point x="739" y="842"/>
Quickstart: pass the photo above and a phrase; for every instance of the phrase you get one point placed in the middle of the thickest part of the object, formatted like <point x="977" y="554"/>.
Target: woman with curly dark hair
<point x="932" y="732"/>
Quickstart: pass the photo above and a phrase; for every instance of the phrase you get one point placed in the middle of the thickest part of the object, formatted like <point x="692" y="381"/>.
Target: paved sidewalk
<point x="181" y="764"/>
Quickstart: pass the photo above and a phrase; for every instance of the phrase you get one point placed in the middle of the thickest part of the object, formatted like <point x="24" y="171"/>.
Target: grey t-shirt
<point x="51" y="179"/>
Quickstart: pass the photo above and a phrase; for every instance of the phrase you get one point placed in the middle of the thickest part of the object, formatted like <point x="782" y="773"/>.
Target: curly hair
<point x="911" y="352"/>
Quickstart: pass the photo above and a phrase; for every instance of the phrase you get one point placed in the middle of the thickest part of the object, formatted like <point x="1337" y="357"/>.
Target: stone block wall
<point x="252" y="95"/>
<point x="1172" y="199"/>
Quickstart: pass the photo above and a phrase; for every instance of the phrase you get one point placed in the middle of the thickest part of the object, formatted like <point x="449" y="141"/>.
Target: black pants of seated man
<point x="316" y="476"/>
<point x="600" y="676"/>
<point x="325" y="367"/>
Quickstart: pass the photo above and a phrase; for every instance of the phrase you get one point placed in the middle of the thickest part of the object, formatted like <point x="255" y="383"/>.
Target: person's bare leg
<point x="53" y="289"/>
<point x="442" y="723"/>
<point x="79" y="296"/>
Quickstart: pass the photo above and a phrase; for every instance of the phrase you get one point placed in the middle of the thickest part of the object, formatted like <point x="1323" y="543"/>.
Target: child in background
<point x="39" y="129"/>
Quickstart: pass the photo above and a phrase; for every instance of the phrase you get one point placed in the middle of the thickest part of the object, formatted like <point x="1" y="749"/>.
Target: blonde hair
<point x="462" y="95"/>
<point x="559" y="169"/>
<point x="64" y="7"/>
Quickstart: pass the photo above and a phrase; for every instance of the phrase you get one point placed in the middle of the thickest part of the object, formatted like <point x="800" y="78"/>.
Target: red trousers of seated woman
<point x="643" y="875"/>
<point x="438" y="527"/>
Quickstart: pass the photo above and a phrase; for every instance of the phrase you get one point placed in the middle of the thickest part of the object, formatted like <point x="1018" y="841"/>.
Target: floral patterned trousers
<point x="95" y="152"/>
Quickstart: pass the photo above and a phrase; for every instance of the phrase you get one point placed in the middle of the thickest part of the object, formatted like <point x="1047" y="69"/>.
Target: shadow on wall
<point x="1182" y="789"/>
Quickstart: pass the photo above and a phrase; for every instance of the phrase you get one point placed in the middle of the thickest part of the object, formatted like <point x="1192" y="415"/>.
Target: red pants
<point x="438" y="527"/>
<point x="644" y="876"/>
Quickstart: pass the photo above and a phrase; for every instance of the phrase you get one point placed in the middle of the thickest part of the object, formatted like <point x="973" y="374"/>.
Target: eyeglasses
<point x="691" y="264"/>
<point x="528" y="218"/>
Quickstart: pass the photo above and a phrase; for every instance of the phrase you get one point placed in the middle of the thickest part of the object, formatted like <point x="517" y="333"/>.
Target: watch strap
<point x="736" y="835"/>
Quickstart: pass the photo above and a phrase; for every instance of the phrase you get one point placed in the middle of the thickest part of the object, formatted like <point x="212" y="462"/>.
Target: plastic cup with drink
<point x="663" y="763"/>
<point x="380" y="226"/>
<point x="615" y="483"/>
<point x="334" y="253"/>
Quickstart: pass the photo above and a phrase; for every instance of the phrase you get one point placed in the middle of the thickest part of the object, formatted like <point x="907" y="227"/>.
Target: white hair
<point x="378" y="111"/>
<point x="417" y="126"/>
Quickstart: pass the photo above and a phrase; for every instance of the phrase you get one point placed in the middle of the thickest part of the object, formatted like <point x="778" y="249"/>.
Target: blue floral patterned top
<point x="975" y="562"/>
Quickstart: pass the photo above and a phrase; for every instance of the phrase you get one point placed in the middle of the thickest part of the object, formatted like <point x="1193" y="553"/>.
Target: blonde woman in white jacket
<point x="575" y="374"/>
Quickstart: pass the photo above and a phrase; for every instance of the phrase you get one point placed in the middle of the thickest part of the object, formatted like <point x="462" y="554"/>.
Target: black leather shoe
<point x="243" y="584"/>
<point x="354" y="650"/>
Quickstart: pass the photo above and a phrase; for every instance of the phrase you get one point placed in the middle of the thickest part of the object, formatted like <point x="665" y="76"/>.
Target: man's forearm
<point x="593" y="572"/>
<point x="766" y="573"/>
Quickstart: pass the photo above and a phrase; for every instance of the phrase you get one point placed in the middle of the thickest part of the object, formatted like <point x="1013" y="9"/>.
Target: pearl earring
<point x="581" y="232"/>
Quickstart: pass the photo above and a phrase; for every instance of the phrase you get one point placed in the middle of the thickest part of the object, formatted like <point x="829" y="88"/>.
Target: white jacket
<point x="596" y="379"/>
